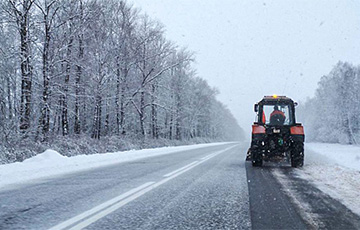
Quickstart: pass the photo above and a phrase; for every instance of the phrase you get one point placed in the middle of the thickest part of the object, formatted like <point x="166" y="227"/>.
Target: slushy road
<point x="206" y="188"/>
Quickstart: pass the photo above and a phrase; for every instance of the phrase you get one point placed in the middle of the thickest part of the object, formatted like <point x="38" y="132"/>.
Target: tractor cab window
<point x="278" y="114"/>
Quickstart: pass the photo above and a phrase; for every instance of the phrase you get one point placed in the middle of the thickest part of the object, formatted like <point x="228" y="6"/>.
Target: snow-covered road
<point x="335" y="170"/>
<point x="199" y="186"/>
<point x="51" y="163"/>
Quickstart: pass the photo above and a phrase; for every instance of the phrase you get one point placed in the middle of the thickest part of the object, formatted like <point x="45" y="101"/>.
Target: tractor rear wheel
<point x="257" y="163"/>
<point x="256" y="159"/>
<point x="297" y="155"/>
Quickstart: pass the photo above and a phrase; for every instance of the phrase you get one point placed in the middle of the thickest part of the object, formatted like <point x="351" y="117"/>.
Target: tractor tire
<point x="248" y="155"/>
<point x="297" y="155"/>
<point x="256" y="159"/>
<point x="257" y="163"/>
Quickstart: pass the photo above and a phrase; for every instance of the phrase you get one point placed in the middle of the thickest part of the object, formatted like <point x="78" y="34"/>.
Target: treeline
<point x="333" y="115"/>
<point x="87" y="68"/>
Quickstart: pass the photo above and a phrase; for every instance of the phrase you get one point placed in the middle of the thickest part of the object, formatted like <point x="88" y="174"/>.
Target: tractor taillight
<point x="258" y="129"/>
<point x="297" y="130"/>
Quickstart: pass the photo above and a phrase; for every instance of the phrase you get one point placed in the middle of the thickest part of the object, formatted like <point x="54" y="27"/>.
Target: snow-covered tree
<point x="101" y="70"/>
<point x="333" y="114"/>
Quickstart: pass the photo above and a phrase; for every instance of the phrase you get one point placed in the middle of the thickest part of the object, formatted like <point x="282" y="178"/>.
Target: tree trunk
<point x="10" y="110"/>
<point x="171" y="126"/>
<point x="125" y="73"/>
<point x="26" y="68"/>
<point x="77" y="124"/>
<point x="178" y="118"/>
<point x="177" y="129"/>
<point x="77" y="127"/>
<point x="154" y="128"/>
<point x="64" y="112"/>
<point x="97" y="118"/>
<point x="142" y="113"/>
<point x="122" y="110"/>
<point x="44" y="121"/>
<point x="349" y="131"/>
<point x="117" y="103"/>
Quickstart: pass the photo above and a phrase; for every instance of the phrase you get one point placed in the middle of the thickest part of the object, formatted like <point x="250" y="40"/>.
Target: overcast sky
<point x="248" y="49"/>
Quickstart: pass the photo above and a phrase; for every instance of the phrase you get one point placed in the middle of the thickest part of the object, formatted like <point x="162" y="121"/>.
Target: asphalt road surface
<point x="207" y="188"/>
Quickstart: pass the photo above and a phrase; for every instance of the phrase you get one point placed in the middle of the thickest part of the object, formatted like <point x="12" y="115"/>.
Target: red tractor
<point x="275" y="135"/>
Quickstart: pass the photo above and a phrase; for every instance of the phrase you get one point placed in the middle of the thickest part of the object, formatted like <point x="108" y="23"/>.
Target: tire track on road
<point x="323" y="210"/>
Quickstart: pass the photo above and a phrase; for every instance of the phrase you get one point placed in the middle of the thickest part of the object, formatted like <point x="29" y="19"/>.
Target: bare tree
<point x="79" y="69"/>
<point x="48" y="9"/>
<point x="125" y="24"/>
<point x="99" y="69"/>
<point x="21" y="12"/>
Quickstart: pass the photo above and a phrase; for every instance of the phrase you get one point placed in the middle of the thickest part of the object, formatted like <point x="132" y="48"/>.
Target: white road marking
<point x="178" y="170"/>
<point x="85" y="219"/>
<point x="215" y="154"/>
<point x="209" y="156"/>
<point x="99" y="207"/>
<point x="105" y="212"/>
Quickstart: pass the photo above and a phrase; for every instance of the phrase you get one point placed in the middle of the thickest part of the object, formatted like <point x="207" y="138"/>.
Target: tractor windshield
<point x="279" y="114"/>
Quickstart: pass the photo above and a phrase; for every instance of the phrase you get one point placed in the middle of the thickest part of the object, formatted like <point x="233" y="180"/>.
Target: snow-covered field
<point x="335" y="170"/>
<point x="50" y="163"/>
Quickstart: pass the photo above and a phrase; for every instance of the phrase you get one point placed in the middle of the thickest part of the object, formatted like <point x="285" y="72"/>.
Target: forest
<point x="86" y="76"/>
<point x="333" y="114"/>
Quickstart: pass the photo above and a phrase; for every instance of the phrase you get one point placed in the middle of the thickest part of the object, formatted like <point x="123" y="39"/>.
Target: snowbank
<point x="344" y="155"/>
<point x="50" y="163"/>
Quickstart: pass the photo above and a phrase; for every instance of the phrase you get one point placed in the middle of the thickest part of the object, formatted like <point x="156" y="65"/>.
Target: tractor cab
<point x="275" y="111"/>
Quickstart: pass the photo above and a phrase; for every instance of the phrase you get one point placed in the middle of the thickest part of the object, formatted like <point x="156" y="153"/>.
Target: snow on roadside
<point x="344" y="155"/>
<point x="50" y="163"/>
<point x="335" y="170"/>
